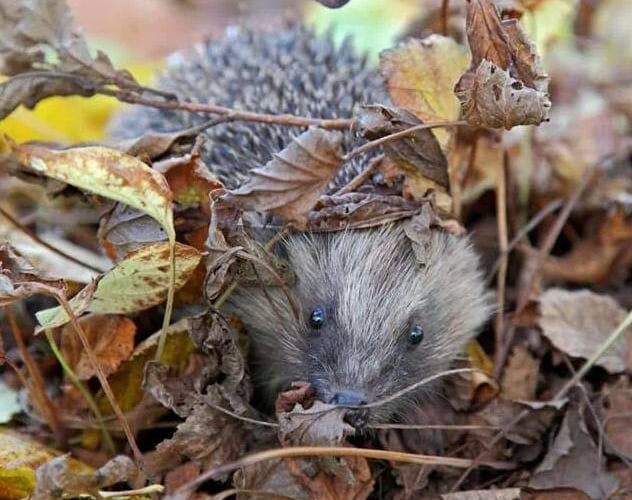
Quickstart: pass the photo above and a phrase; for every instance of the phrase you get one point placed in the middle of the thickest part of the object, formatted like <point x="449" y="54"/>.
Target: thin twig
<point x="147" y="490"/>
<point x="36" y="383"/>
<point x="501" y="281"/>
<point x="39" y="240"/>
<point x="240" y="417"/>
<point x="445" y="9"/>
<point x="314" y="451"/>
<point x="101" y="376"/>
<point x="398" y="135"/>
<point x="35" y="288"/>
<point x="233" y="114"/>
<point x="446" y="427"/>
<point x="129" y="95"/>
<point x="524" y="231"/>
<point x="361" y="178"/>
<point x="551" y="238"/>
<point x="107" y="439"/>
<point x="414" y="386"/>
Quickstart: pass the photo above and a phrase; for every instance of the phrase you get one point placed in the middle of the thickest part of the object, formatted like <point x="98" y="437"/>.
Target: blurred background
<point x="139" y="34"/>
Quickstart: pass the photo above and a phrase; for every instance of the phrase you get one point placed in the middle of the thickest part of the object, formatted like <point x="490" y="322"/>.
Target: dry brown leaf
<point x="573" y="461"/>
<point x="301" y="393"/>
<point x="57" y="476"/>
<point x="323" y="425"/>
<point x="495" y="99"/>
<point x="578" y="322"/>
<point x="320" y="425"/>
<point x="505" y="84"/>
<point x="602" y="258"/>
<point x="111" y="338"/>
<point x="15" y="273"/>
<point x="554" y="494"/>
<point x="520" y="377"/>
<point x="412" y="478"/>
<point x="190" y="180"/>
<point x="617" y="418"/>
<point x="290" y="184"/>
<point x="153" y="145"/>
<point x="126" y="383"/>
<point x="357" y="485"/>
<point x="473" y="389"/>
<point x="272" y="476"/>
<point x="419" y="153"/>
<point x="531" y="429"/>
<point x="181" y="475"/>
<point x="208" y="436"/>
<point x="125" y="230"/>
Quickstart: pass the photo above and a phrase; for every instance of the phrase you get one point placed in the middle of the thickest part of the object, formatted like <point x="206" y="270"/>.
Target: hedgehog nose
<point x="350" y="398"/>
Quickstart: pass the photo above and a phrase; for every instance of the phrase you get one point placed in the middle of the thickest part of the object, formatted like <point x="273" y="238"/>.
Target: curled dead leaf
<point x="323" y="425"/>
<point x="419" y="153"/>
<point x="505" y="84"/>
<point x="289" y="185"/>
<point x="520" y="376"/>
<point x="207" y="436"/>
<point x="15" y="273"/>
<point x="57" y="476"/>
<point x="495" y="99"/>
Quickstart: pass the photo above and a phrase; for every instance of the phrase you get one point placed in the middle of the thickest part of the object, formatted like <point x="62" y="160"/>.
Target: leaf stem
<point x="36" y="385"/>
<point x="317" y="451"/>
<point x="107" y="439"/>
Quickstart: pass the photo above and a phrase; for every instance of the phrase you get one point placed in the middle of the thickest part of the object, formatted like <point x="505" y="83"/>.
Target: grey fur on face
<point x="373" y="292"/>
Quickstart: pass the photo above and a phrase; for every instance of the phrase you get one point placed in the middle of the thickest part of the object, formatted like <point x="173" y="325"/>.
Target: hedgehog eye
<point x="415" y="335"/>
<point x="317" y="317"/>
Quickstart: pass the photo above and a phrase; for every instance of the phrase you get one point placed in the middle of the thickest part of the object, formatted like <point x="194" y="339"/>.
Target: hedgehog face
<point x="372" y="321"/>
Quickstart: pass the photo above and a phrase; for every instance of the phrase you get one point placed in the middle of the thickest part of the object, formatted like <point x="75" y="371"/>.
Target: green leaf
<point x="136" y="283"/>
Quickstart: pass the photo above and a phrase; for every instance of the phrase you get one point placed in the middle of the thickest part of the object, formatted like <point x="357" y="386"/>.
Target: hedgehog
<point x="371" y="321"/>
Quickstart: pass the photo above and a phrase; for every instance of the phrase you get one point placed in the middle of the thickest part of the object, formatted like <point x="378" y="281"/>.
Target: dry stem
<point x="315" y="451"/>
<point x="36" y="384"/>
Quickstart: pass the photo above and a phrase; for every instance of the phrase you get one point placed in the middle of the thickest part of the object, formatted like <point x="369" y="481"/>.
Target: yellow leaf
<point x="105" y="172"/>
<point x="420" y="77"/>
<point x="19" y="457"/>
<point x="70" y="119"/>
